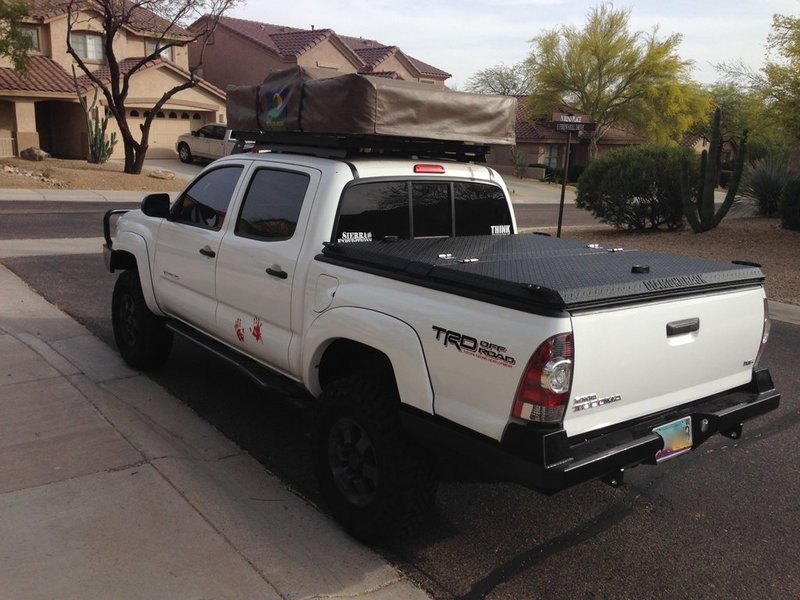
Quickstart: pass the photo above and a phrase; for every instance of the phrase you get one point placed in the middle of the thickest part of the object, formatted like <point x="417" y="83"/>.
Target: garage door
<point x="164" y="130"/>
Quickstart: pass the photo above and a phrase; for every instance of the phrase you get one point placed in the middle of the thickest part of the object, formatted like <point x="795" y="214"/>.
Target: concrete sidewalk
<point x="112" y="488"/>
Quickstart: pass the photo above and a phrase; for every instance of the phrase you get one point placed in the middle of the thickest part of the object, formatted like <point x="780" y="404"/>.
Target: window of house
<point x="377" y="210"/>
<point x="552" y="156"/>
<point x="89" y="46"/>
<point x="33" y="34"/>
<point x="205" y="203"/>
<point x="152" y="47"/>
<point x="134" y="113"/>
<point x="173" y="115"/>
<point x="272" y="205"/>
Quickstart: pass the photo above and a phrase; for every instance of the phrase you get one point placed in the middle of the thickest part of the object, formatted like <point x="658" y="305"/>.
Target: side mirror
<point x="195" y="133"/>
<point x="156" y="205"/>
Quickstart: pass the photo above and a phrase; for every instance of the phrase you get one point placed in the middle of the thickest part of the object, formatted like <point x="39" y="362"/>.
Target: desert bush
<point x="636" y="187"/>
<point x="790" y="204"/>
<point x="763" y="181"/>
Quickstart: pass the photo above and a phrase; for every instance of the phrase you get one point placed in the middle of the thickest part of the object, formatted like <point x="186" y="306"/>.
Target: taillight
<point x="764" y="333"/>
<point x="427" y="168"/>
<point x="544" y="389"/>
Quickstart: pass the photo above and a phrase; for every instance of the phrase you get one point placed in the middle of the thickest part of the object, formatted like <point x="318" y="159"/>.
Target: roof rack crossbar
<point x="341" y="146"/>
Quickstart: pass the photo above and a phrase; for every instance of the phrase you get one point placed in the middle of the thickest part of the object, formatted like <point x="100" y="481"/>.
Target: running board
<point x="262" y="376"/>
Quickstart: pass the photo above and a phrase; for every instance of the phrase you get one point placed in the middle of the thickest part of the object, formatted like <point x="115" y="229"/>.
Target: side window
<point x="272" y="205"/>
<point x="206" y="202"/>
<point x="218" y="133"/>
<point x="204" y="132"/>
<point x="373" y="211"/>
<point x="481" y="210"/>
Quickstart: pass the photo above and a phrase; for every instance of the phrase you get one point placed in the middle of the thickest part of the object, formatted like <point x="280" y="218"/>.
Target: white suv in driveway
<point x="210" y="142"/>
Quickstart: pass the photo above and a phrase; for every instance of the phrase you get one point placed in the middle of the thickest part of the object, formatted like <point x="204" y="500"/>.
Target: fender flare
<point x="385" y="333"/>
<point x="135" y="244"/>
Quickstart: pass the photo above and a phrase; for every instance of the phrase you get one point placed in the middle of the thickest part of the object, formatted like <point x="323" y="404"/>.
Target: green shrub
<point x="790" y="204"/>
<point x="763" y="181"/>
<point x="636" y="187"/>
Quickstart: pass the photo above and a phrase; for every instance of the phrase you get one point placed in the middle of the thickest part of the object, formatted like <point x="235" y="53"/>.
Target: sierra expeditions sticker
<point x="471" y="346"/>
<point x="355" y="236"/>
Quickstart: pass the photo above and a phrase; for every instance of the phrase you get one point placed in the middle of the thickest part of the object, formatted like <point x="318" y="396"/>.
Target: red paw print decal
<point x="256" y="330"/>
<point x="239" y="330"/>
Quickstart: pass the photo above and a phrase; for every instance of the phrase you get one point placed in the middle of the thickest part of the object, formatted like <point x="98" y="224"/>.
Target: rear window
<point x="407" y="210"/>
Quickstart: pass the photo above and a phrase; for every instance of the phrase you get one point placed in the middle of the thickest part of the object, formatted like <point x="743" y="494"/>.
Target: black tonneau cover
<point x="538" y="273"/>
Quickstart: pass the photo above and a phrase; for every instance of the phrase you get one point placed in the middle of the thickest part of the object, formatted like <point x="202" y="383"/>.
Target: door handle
<point x="206" y="251"/>
<point x="276" y="271"/>
<point x="683" y="327"/>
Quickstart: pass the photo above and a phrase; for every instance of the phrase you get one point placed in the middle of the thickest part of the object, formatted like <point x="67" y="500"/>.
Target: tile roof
<point x="427" y="69"/>
<point x="141" y="20"/>
<point x="44" y="75"/>
<point x="372" y="52"/>
<point x="260" y="33"/>
<point x="292" y="41"/>
<point x="374" y="56"/>
<point x="298" y="42"/>
<point x="104" y="74"/>
<point x="386" y="74"/>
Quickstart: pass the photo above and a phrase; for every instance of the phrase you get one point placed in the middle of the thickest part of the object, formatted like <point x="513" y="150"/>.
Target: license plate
<point x="677" y="438"/>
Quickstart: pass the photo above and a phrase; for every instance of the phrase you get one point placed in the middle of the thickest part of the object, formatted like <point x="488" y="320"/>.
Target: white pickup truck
<point x="210" y="142"/>
<point x="397" y="296"/>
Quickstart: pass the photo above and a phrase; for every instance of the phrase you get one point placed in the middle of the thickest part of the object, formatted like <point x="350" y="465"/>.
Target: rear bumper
<point x="547" y="460"/>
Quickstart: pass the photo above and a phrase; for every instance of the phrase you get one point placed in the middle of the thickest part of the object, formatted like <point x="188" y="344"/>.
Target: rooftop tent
<point x="320" y="101"/>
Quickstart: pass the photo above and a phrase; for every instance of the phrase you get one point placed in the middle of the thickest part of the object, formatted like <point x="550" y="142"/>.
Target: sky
<point x="465" y="36"/>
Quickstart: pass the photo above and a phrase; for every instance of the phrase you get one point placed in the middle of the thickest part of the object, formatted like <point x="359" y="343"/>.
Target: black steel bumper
<point x="547" y="460"/>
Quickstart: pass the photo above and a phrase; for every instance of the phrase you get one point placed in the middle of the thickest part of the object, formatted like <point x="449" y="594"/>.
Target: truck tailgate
<point x="639" y="360"/>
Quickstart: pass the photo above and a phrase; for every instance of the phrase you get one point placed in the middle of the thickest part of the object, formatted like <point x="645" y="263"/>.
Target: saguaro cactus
<point x="700" y="212"/>
<point x="100" y="148"/>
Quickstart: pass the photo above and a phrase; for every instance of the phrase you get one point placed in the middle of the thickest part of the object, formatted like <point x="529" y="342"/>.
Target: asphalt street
<point x="718" y="523"/>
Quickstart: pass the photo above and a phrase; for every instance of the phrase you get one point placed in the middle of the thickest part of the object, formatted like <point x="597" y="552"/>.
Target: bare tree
<point x="163" y="21"/>
<point x="500" y="79"/>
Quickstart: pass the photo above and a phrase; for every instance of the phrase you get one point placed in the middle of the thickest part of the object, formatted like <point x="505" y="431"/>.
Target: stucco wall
<point x="327" y="56"/>
<point x="137" y="46"/>
<point x="230" y="60"/>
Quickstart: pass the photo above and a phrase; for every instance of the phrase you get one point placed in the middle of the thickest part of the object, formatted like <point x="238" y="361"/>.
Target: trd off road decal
<point x="474" y="347"/>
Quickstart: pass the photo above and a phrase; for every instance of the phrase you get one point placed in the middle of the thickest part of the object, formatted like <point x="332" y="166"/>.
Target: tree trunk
<point x="593" y="139"/>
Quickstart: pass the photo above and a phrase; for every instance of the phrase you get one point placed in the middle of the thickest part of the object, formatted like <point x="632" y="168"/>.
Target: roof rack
<point x="348" y="146"/>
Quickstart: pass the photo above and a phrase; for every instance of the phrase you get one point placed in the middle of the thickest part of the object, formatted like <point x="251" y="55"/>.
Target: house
<point x="242" y="52"/>
<point x="538" y="143"/>
<point x="41" y="109"/>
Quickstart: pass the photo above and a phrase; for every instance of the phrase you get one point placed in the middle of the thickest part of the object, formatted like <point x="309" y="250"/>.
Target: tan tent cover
<point x="322" y="102"/>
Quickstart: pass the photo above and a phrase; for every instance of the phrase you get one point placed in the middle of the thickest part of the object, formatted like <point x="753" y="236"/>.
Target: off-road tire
<point x="141" y="337"/>
<point x="184" y="153"/>
<point x="376" y="482"/>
